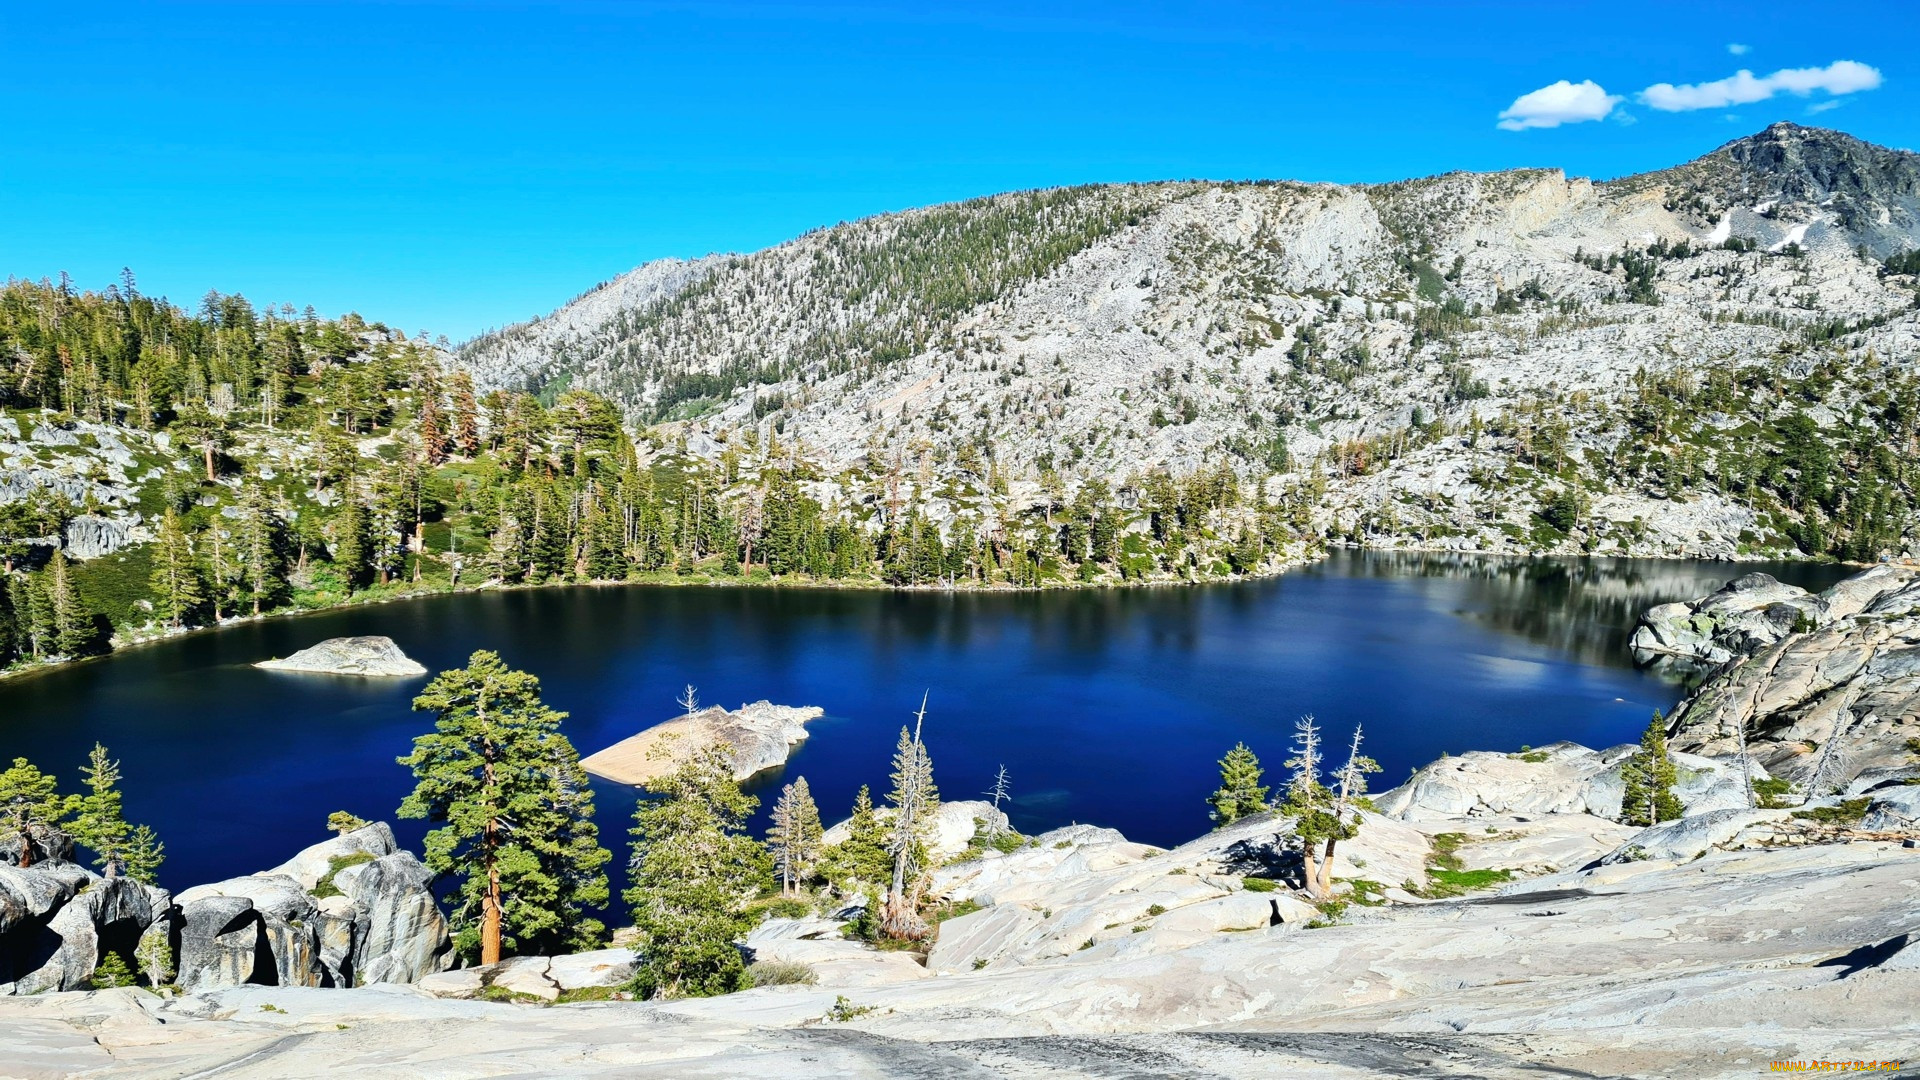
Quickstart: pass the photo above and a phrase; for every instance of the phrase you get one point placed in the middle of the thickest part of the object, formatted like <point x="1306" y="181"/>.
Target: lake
<point x="1109" y="707"/>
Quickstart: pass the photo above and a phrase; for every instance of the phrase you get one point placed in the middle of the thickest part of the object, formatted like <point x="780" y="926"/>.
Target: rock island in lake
<point x="761" y="735"/>
<point x="370" y="656"/>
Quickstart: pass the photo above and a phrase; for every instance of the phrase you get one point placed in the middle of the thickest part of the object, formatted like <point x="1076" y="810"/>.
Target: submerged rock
<point x="369" y="656"/>
<point x="760" y="736"/>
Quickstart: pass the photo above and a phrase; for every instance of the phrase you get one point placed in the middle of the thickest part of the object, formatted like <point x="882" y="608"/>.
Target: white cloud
<point x="1822" y="106"/>
<point x="1561" y="103"/>
<point x="1743" y="87"/>
<point x="1738" y="49"/>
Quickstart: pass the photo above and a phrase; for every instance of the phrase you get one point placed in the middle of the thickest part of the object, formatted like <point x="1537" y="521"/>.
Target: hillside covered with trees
<point x="162" y="469"/>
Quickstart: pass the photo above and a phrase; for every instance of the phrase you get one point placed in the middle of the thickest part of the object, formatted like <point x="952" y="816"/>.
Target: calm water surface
<point x="1107" y="707"/>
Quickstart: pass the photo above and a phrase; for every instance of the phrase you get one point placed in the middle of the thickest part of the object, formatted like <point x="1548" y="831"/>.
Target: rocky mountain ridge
<point x="1428" y="363"/>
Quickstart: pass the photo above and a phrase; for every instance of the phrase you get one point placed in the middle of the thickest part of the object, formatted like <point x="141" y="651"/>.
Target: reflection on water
<point x="1582" y="608"/>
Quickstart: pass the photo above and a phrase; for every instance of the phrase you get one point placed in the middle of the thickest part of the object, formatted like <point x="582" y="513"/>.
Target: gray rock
<point x="90" y="536"/>
<point x="953" y="828"/>
<point x="367" y="656"/>
<point x="1746" y="614"/>
<point x="384" y="925"/>
<point x="543" y="978"/>
<point x="401" y="935"/>
<point x="218" y="941"/>
<point x="1690" y="837"/>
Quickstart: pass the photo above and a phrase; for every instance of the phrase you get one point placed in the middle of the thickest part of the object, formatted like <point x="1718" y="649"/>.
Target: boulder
<point x="1747" y="613"/>
<point x="217" y="942"/>
<point x="759" y="737"/>
<point x="1690" y="837"/>
<point x="1565" y="778"/>
<point x="400" y="934"/>
<point x="367" y="656"/>
<point x="378" y="924"/>
<point x="90" y="536"/>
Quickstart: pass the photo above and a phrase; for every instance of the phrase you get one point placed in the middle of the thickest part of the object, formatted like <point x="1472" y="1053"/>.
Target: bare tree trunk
<point x="490" y="909"/>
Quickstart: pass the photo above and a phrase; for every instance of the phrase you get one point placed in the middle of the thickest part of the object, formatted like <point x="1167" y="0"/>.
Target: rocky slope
<point x="1833" y="705"/>
<point x="1430" y="362"/>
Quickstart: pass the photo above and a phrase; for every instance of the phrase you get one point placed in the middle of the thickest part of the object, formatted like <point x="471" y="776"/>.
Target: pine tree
<point x="262" y="551"/>
<point x="75" y="631"/>
<point x="693" y="871"/>
<point x="1649" y="777"/>
<point x="31" y="810"/>
<point x="1241" y="792"/>
<point x="101" y="826"/>
<point x="1308" y="802"/>
<point x="794" y="836"/>
<point x="466" y="415"/>
<point x="352" y="546"/>
<point x="860" y="859"/>
<point x="177" y="592"/>
<point x="112" y="971"/>
<point x="517" y="831"/>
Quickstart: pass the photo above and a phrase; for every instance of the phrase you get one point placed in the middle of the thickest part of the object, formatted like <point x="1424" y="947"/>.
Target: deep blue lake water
<point x="1109" y="707"/>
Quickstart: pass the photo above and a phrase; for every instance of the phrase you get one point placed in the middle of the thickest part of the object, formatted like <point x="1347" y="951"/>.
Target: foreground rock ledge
<point x="376" y="657"/>
<point x="761" y="736"/>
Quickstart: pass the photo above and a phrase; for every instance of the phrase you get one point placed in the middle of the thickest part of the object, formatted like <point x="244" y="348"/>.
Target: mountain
<point x="1506" y="361"/>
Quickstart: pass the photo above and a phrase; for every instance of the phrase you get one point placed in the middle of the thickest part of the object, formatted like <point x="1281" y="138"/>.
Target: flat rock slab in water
<point x="373" y="656"/>
<point x="760" y="735"/>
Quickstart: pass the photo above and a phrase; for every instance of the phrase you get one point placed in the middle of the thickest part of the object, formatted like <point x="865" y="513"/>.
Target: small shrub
<point x="1157" y="909"/>
<point x="586" y="993"/>
<point x="1256" y="884"/>
<point x="112" y="971"/>
<point x="979" y="963"/>
<point x="1771" y="793"/>
<point x="1085" y="945"/>
<point x="780" y="973"/>
<point x="1847" y="813"/>
<point x="955" y="910"/>
<point x="844" y="1010"/>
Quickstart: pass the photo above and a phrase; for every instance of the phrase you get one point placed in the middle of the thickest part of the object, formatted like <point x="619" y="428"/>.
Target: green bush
<point x="1257" y="884"/>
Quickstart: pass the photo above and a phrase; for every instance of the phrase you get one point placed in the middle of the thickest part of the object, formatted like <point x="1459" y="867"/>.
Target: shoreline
<point x="1280" y="569"/>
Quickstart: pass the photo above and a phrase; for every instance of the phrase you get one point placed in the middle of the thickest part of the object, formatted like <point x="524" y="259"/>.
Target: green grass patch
<point x="325" y="886"/>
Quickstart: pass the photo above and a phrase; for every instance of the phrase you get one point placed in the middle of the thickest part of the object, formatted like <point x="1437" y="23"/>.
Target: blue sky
<point x="455" y="166"/>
